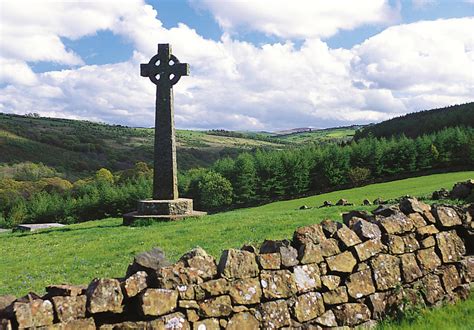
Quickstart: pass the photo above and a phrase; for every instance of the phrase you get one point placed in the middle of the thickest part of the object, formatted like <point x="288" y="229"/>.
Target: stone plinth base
<point x="162" y="210"/>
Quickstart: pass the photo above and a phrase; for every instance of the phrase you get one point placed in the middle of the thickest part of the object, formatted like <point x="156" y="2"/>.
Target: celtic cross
<point x="164" y="70"/>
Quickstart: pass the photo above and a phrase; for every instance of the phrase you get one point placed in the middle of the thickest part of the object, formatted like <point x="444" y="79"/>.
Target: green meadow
<point x="103" y="248"/>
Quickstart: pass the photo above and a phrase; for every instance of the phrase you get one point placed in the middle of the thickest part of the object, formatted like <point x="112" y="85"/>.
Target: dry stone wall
<point x="328" y="275"/>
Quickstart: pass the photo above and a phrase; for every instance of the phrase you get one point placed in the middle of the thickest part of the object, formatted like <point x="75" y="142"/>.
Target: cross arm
<point x="144" y="70"/>
<point x="181" y="69"/>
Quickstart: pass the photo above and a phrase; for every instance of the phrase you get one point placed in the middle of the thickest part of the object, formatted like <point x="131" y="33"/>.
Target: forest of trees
<point x="249" y="179"/>
<point x="423" y="122"/>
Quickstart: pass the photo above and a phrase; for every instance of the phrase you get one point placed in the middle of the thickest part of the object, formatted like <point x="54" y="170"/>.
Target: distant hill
<point x="423" y="122"/>
<point x="77" y="148"/>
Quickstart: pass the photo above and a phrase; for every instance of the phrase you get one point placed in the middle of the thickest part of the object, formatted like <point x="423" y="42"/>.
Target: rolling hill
<point x="77" y="148"/>
<point x="423" y="122"/>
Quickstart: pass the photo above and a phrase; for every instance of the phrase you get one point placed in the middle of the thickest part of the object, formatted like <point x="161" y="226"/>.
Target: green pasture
<point x="103" y="248"/>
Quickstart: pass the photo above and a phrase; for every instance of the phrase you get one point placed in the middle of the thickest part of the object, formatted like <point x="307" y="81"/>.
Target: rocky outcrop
<point x="329" y="275"/>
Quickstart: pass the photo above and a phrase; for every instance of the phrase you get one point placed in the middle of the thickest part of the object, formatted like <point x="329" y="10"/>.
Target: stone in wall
<point x="104" y="295"/>
<point x="386" y="270"/>
<point x="157" y="302"/>
<point x="236" y="264"/>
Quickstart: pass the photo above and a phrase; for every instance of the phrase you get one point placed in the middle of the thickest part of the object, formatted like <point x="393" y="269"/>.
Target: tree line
<point x="249" y="179"/>
<point x="422" y="122"/>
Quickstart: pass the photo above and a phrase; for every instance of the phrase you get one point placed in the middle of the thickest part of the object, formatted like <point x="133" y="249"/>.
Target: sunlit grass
<point x="104" y="248"/>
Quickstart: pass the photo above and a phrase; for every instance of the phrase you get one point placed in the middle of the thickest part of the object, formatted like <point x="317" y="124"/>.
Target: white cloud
<point x="237" y="85"/>
<point x="299" y="18"/>
<point x="433" y="59"/>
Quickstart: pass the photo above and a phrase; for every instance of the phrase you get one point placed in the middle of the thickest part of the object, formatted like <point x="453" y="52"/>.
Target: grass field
<point x="334" y="134"/>
<point x="103" y="248"/>
<point x="459" y="317"/>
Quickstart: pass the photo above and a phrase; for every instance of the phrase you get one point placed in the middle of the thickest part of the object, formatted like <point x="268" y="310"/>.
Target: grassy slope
<point x="334" y="134"/>
<point x="459" y="316"/>
<point x="103" y="248"/>
<point x="61" y="143"/>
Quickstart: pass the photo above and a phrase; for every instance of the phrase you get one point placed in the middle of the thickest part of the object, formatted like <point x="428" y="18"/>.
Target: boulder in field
<point x="327" y="204"/>
<point x="440" y="194"/>
<point x="462" y="190"/>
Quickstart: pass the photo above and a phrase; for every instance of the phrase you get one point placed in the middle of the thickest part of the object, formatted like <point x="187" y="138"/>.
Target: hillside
<point x="77" y="148"/>
<point x="74" y="147"/>
<point x="103" y="248"/>
<point x="423" y="122"/>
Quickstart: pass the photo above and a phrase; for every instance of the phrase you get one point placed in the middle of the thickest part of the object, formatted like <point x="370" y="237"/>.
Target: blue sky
<point x="273" y="66"/>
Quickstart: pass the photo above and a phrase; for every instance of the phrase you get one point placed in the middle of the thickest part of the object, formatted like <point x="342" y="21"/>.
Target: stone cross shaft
<point x="164" y="70"/>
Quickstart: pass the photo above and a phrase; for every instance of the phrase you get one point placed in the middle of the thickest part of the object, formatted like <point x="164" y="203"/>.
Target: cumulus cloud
<point x="428" y="60"/>
<point x="238" y="85"/>
<point x="299" y="18"/>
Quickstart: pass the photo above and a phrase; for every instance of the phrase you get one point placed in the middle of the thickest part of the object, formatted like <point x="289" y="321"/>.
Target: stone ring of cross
<point x="173" y="69"/>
